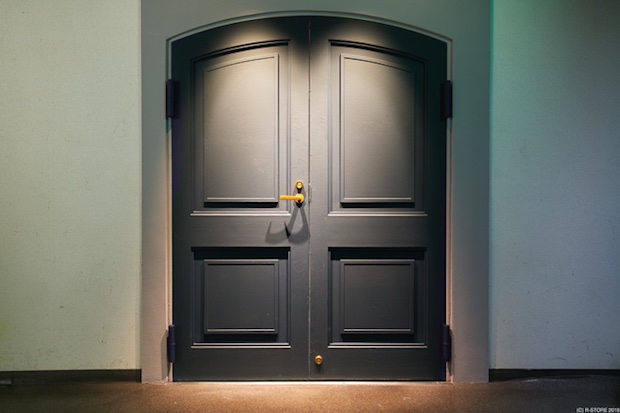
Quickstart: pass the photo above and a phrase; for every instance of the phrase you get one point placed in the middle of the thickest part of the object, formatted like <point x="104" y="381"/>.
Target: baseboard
<point x="516" y="374"/>
<point x="8" y="378"/>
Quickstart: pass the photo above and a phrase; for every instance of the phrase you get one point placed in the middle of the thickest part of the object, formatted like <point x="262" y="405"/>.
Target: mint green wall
<point x="69" y="184"/>
<point x="555" y="190"/>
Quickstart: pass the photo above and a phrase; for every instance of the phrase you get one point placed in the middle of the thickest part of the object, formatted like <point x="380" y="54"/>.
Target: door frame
<point x="467" y="190"/>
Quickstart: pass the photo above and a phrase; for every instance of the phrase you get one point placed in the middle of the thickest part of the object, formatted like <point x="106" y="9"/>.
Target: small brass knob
<point x="299" y="185"/>
<point x="318" y="359"/>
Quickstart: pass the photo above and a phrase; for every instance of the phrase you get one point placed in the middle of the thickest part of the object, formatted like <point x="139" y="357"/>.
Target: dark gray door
<point x="350" y="283"/>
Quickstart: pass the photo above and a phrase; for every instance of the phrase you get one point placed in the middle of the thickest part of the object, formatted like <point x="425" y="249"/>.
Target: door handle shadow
<point x="288" y="233"/>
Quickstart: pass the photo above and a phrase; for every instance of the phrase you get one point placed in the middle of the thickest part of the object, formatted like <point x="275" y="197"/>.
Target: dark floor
<point x="569" y="394"/>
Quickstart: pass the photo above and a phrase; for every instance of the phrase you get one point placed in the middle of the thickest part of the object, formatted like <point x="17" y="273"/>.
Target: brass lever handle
<point x="298" y="198"/>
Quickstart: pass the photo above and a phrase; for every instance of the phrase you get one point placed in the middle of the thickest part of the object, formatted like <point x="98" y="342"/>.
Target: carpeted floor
<point x="566" y="395"/>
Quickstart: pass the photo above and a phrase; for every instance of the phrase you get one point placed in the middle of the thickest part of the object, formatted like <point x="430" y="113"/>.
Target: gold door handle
<point x="298" y="198"/>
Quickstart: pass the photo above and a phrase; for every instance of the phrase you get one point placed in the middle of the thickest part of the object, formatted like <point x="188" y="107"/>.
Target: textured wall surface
<point x="555" y="196"/>
<point x="69" y="184"/>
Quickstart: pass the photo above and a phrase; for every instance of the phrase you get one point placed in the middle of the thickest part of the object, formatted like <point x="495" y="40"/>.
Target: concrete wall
<point x="555" y="194"/>
<point x="69" y="184"/>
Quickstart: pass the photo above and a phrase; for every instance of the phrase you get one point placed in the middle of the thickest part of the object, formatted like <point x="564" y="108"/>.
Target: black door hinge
<point x="447" y="343"/>
<point x="446" y="100"/>
<point x="172" y="343"/>
<point x="171" y="98"/>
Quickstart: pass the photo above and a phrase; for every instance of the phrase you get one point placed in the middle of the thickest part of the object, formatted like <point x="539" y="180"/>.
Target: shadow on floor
<point x="569" y="394"/>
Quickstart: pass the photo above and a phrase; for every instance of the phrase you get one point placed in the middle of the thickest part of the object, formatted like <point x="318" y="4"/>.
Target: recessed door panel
<point x="376" y="296"/>
<point x="241" y="296"/>
<point x="240" y="129"/>
<point x="377" y="125"/>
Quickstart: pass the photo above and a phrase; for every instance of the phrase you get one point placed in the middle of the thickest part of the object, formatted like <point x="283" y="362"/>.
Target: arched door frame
<point x="467" y="212"/>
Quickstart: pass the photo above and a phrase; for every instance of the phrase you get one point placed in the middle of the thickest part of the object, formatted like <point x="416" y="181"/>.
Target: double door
<point x="308" y="187"/>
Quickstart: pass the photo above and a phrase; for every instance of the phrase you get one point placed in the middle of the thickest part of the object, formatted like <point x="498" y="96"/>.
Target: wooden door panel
<point x="240" y="129"/>
<point x="378" y="298"/>
<point x="373" y="142"/>
<point x="242" y="145"/>
<point x="241" y="297"/>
